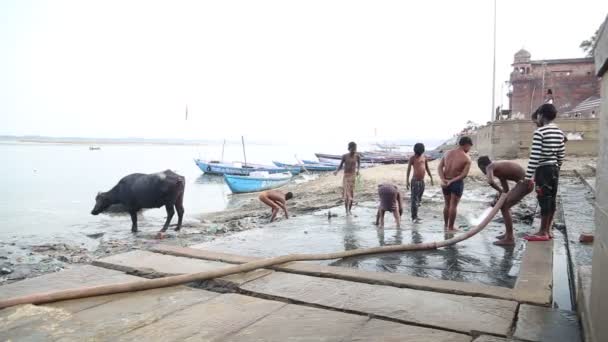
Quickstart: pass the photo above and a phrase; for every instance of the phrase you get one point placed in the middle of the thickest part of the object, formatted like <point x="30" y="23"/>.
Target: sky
<point x="270" y="70"/>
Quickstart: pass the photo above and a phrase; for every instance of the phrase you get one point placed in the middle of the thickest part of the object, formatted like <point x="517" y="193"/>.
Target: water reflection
<point x="419" y="258"/>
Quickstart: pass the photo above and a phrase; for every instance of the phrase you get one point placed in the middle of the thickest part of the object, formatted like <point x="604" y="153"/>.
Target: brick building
<point x="572" y="82"/>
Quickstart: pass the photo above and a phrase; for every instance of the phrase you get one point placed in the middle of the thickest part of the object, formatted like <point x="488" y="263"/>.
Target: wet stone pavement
<point x="473" y="260"/>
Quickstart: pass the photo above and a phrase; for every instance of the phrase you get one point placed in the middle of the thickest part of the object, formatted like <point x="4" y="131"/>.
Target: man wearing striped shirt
<point x="546" y="157"/>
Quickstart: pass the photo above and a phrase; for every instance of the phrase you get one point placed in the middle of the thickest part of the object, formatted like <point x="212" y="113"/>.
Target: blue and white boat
<point x="239" y="169"/>
<point x="257" y="181"/>
<point x="311" y="166"/>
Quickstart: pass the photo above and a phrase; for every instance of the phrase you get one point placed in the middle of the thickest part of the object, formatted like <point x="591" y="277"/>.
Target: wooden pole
<point x="244" y="154"/>
<point x="147" y="284"/>
<point x="223" y="147"/>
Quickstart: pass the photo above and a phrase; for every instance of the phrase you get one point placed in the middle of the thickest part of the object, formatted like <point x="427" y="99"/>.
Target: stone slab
<point x="537" y="323"/>
<point x="77" y="276"/>
<point x="583" y="292"/>
<point x="300" y="323"/>
<point x="436" y="310"/>
<point x="380" y="278"/>
<point x="103" y="322"/>
<point x="157" y="264"/>
<point x="488" y="338"/>
<point x="385" y="331"/>
<point x="213" y="319"/>
<point x="535" y="281"/>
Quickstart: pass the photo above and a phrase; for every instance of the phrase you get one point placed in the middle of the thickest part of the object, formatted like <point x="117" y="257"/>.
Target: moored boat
<point x="239" y="169"/>
<point x="257" y="181"/>
<point x="311" y="166"/>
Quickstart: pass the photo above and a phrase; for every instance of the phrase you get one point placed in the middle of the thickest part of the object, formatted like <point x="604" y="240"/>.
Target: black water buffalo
<point x="140" y="191"/>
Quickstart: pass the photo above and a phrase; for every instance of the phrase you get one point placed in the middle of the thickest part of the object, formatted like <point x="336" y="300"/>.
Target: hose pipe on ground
<point x="148" y="284"/>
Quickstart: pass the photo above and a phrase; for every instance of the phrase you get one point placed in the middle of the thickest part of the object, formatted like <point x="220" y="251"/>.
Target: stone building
<point x="570" y="82"/>
<point x="595" y="307"/>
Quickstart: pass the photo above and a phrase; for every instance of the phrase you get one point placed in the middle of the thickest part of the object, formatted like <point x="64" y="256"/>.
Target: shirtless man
<point x="390" y="200"/>
<point x="453" y="169"/>
<point x="352" y="164"/>
<point x="506" y="171"/>
<point x="276" y="200"/>
<point x="420" y="164"/>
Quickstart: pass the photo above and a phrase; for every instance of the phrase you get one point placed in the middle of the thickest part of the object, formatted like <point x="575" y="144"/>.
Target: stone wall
<point x="599" y="283"/>
<point x="571" y="80"/>
<point x="512" y="138"/>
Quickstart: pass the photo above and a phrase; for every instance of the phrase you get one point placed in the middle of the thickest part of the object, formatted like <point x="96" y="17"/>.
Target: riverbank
<point x="21" y="259"/>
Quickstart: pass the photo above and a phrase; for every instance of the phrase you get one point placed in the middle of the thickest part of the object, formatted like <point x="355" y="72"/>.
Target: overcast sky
<point x="286" y="69"/>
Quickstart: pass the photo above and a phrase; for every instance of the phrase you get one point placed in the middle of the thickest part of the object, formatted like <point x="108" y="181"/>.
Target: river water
<point x="48" y="190"/>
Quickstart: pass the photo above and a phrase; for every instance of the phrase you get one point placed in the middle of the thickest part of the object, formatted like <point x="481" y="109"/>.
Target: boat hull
<point x="246" y="184"/>
<point x="310" y="166"/>
<point x="226" y="169"/>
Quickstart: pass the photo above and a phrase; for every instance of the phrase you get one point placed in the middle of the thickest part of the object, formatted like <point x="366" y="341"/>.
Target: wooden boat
<point x="94" y="148"/>
<point x="256" y="181"/>
<point x="239" y="169"/>
<point x="313" y="167"/>
<point x="369" y="157"/>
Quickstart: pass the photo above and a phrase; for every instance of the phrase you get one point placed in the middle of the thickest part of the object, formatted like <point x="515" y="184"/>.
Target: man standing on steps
<point x="352" y="164"/>
<point x="546" y="157"/>
<point x="420" y="164"/>
<point x="453" y="169"/>
<point x="506" y="171"/>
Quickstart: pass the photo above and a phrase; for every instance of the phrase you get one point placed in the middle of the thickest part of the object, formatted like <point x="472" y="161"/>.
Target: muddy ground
<point x="19" y="260"/>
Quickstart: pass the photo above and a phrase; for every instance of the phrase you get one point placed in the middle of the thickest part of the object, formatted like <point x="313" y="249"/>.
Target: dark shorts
<point x="456" y="188"/>
<point x="546" y="179"/>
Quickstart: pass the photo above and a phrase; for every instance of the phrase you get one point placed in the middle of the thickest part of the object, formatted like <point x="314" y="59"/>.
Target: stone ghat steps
<point x="262" y="305"/>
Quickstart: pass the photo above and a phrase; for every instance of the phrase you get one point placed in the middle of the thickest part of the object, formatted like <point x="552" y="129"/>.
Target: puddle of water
<point x="473" y="260"/>
<point x="562" y="294"/>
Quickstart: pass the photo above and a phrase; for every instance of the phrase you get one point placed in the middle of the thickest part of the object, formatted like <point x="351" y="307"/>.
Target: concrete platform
<point x="536" y="323"/>
<point x="154" y="265"/>
<point x="534" y="285"/>
<point x="182" y="314"/>
<point x="407" y="305"/>
<point x="297" y="301"/>
<point x="438" y="310"/>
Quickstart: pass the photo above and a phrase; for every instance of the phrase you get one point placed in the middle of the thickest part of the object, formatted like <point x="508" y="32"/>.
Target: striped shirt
<point x="548" y="148"/>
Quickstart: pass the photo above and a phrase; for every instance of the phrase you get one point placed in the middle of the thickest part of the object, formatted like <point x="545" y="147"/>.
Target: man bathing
<point x="419" y="162"/>
<point x="506" y="171"/>
<point x="352" y="164"/>
<point x="546" y="157"/>
<point x="276" y="200"/>
<point x="390" y="200"/>
<point x="453" y="169"/>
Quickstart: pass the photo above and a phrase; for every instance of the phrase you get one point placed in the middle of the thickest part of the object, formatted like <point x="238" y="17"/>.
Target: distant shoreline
<point x="105" y="142"/>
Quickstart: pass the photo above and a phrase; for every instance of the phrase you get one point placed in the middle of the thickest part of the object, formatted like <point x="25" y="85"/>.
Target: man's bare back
<point x="507" y="170"/>
<point x="454" y="163"/>
<point x="453" y="169"/>
<point x="276" y="200"/>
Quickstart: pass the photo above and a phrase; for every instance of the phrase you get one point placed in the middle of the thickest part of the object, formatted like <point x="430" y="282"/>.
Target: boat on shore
<point x="94" y="148"/>
<point x="310" y="166"/>
<point x="368" y="158"/>
<point x="240" y="169"/>
<point x="257" y="181"/>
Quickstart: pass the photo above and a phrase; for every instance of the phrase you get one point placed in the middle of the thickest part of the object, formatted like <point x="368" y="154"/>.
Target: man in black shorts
<point x="390" y="200"/>
<point x="453" y="169"/>
<point x="546" y="157"/>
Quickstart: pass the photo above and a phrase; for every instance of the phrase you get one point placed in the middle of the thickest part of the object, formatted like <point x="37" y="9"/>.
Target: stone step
<point x="76" y="276"/>
<point x="537" y="323"/>
<point x="436" y="310"/>
<point x="151" y="264"/>
<point x="185" y="314"/>
<point x="431" y="309"/>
